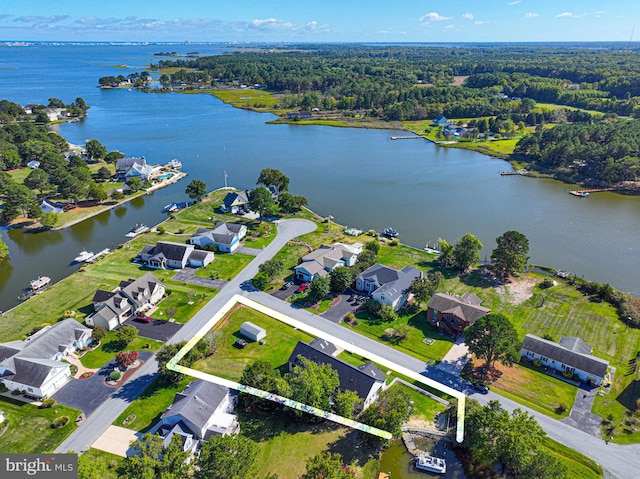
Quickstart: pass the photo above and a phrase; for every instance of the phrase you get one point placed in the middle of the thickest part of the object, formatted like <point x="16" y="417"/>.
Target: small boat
<point x="175" y="164"/>
<point x="39" y="282"/>
<point x="171" y="207"/>
<point x="390" y="232"/>
<point x="99" y="254"/>
<point x="83" y="256"/>
<point x="137" y="230"/>
<point x="430" y="250"/>
<point x="425" y="462"/>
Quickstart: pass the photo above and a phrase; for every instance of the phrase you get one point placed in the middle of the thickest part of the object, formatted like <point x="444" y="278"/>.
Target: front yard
<point x="110" y="346"/>
<point x="225" y="266"/>
<point x="30" y="430"/>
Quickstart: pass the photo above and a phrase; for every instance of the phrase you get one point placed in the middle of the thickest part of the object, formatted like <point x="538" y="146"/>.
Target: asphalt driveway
<point x="581" y="416"/>
<point x="157" y="329"/>
<point x="341" y="309"/>
<point x="88" y="394"/>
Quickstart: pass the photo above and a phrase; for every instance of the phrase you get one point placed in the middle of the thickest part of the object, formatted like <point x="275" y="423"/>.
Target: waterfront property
<point x="48" y="207"/>
<point x="325" y="259"/>
<point x="202" y="410"/>
<point x="35" y="366"/>
<point x="365" y="380"/>
<point x="112" y="308"/>
<point x="225" y="237"/>
<point x="388" y="285"/>
<point x="452" y="314"/>
<point x="169" y="255"/>
<point x="236" y="202"/>
<point x="569" y="355"/>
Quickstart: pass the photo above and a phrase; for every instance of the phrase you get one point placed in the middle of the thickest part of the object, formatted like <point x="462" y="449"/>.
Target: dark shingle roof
<point x="199" y="255"/>
<point x="466" y="310"/>
<point x="382" y="274"/>
<point x="34" y="371"/>
<point x="236" y="198"/>
<point x="324" y="346"/>
<point x="101" y="296"/>
<point x="559" y="353"/>
<point x="351" y="378"/>
<point x="168" y="250"/>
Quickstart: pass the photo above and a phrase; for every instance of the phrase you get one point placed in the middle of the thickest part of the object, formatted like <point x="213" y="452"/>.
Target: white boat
<point x="39" y="282"/>
<point x="83" y="256"/>
<point x="175" y="164"/>
<point x="390" y="232"/>
<point x="425" y="462"/>
<point x="137" y="230"/>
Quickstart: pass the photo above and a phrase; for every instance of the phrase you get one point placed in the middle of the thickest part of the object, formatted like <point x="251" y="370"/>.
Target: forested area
<point x="411" y="83"/>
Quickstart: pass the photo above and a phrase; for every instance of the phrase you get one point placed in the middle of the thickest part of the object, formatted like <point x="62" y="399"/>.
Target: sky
<point x="319" y="20"/>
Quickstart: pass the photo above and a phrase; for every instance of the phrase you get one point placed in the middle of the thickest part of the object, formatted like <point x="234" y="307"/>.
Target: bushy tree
<point x="98" y="333"/>
<point x="96" y="192"/>
<point x="196" y="190"/>
<point x="95" y="149"/>
<point x="290" y="204"/>
<point x="340" y="279"/>
<point x="510" y="256"/>
<point x="466" y="252"/>
<point x="425" y="287"/>
<point x="113" y="157"/>
<point x="271" y="268"/>
<point x="345" y="403"/>
<point x="103" y="173"/>
<point x="312" y="383"/>
<point x="48" y="220"/>
<point x="126" y="334"/>
<point x="152" y="460"/>
<point x="4" y="250"/>
<point x="327" y="465"/>
<point x="389" y="412"/>
<point x="319" y="288"/>
<point x="493" y="338"/>
<point x="227" y="457"/>
<point x="125" y="359"/>
<point x="271" y="177"/>
<point x="134" y="183"/>
<point x="260" y="200"/>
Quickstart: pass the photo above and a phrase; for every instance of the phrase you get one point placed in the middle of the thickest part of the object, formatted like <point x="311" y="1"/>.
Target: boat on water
<point x="83" y="256"/>
<point x="175" y="164"/>
<point x="390" y="232"/>
<point x="171" y="207"/>
<point x="39" y="282"/>
<point x="426" y="462"/>
<point x="99" y="254"/>
<point x="137" y="230"/>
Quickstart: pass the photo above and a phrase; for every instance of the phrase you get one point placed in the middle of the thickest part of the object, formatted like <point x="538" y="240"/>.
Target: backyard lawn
<point x="578" y="465"/>
<point x="103" y="460"/>
<point x="225" y="266"/>
<point x="229" y="361"/>
<point x="185" y="303"/>
<point x="109" y="346"/>
<point x="30" y="430"/>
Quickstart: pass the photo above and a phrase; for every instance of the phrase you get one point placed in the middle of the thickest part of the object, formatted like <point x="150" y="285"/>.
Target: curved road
<point x="621" y="462"/>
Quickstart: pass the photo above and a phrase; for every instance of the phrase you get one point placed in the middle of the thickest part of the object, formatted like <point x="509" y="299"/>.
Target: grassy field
<point x="229" y="361"/>
<point x="578" y="465"/>
<point x="109" y="346"/>
<point x="104" y="460"/>
<point x="424" y="408"/>
<point x="257" y="100"/>
<point x="185" y="303"/>
<point x="30" y="430"/>
<point x="150" y="405"/>
<point x="225" y="266"/>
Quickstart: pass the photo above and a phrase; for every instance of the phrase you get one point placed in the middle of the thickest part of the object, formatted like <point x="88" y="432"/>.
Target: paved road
<point x="621" y="462"/>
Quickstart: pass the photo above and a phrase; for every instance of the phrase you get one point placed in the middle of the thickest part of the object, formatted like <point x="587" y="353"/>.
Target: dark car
<point x="240" y="343"/>
<point x="481" y="388"/>
<point x="287" y="285"/>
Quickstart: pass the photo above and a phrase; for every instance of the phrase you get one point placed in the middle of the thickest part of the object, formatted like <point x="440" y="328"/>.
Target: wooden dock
<point x="407" y="137"/>
<point x="514" y="173"/>
<point x="583" y="193"/>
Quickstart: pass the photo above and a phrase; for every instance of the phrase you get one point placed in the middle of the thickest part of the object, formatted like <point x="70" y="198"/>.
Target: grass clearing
<point x="225" y="266"/>
<point x="104" y="461"/>
<point x="30" y="430"/>
<point x="185" y="303"/>
<point x="110" y="346"/>
<point x="578" y="465"/>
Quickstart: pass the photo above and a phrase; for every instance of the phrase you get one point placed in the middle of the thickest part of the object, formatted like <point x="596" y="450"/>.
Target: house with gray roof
<point x="202" y="410"/>
<point x="366" y="380"/>
<point x="452" y="314"/>
<point x="388" y="285"/>
<point x="225" y="237"/>
<point x="112" y="308"/>
<point x="35" y="365"/>
<point x="170" y="255"/>
<point x="236" y="202"/>
<point x="252" y="331"/>
<point x="325" y="259"/>
<point x="47" y="206"/>
<point x="133" y="167"/>
<point x="570" y="354"/>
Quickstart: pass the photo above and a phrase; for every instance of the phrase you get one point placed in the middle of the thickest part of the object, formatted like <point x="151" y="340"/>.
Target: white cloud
<point x="480" y="22"/>
<point x="450" y="26"/>
<point x="531" y="14"/>
<point x="467" y="16"/>
<point x="570" y="15"/>
<point x="41" y="20"/>
<point x="274" y="24"/>
<point x="515" y="2"/>
<point x="433" y="17"/>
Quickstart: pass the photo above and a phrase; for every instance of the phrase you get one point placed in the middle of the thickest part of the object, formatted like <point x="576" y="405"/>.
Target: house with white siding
<point x="388" y="285"/>
<point x="225" y="237"/>
<point x="325" y="259"/>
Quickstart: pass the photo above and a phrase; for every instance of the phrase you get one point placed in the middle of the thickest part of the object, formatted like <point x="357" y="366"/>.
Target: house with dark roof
<point x="570" y="354"/>
<point x="225" y="237"/>
<point x="366" y="380"/>
<point x="440" y="120"/>
<point x="452" y="314"/>
<point x="236" y="202"/>
<point x="35" y="365"/>
<point x="325" y="259"/>
<point x="112" y="308"/>
<point x="202" y="410"/>
<point x="166" y="254"/>
<point x="388" y="285"/>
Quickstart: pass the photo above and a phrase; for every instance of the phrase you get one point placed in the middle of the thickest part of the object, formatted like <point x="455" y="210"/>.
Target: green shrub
<point x="546" y="283"/>
<point x="537" y="363"/>
<point x="59" y="422"/>
<point x="567" y="374"/>
<point x="115" y="375"/>
<point x="47" y="403"/>
<point x="394" y="242"/>
<point x="16" y="392"/>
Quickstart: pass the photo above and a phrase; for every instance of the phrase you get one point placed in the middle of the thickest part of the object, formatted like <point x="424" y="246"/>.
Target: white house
<point x="252" y="332"/>
<point x="33" y="164"/>
<point x="225" y="237"/>
<point x="202" y="410"/>
<point x="569" y="354"/>
<point x="47" y="207"/>
<point x="388" y="285"/>
<point x="35" y="365"/>
<point x="133" y="167"/>
<point x="325" y="259"/>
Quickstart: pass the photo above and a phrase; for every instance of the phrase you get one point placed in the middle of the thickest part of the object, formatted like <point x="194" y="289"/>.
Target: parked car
<point x="240" y="343"/>
<point x="302" y="288"/>
<point x="143" y="318"/>
<point x="287" y="285"/>
<point x="481" y="388"/>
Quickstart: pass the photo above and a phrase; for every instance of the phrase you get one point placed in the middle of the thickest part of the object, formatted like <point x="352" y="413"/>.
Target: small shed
<point x="252" y="332"/>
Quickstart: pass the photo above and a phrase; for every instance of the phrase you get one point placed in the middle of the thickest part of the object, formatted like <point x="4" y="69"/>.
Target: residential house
<point x="325" y="259"/>
<point x="452" y="314"/>
<point x="225" y="237"/>
<point x="236" y="202"/>
<point x="440" y="120"/>
<point x="33" y="164"/>
<point x="55" y="114"/>
<point x="35" y="365"/>
<point x="388" y="285"/>
<point x="112" y="308"/>
<point x="169" y="255"/>
<point x="48" y="207"/>
<point x="202" y="410"/>
<point x="570" y="354"/>
<point x="366" y="380"/>
<point x="133" y="167"/>
<point x="300" y="115"/>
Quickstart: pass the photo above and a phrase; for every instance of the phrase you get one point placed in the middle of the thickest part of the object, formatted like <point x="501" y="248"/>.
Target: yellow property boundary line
<point x="237" y="299"/>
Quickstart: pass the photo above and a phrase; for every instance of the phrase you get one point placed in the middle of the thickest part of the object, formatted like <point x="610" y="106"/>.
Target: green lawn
<point x="150" y="405"/>
<point x="578" y="465"/>
<point x="229" y="361"/>
<point x="103" y="460"/>
<point x="30" y="430"/>
<point x="424" y="408"/>
<point x="186" y="303"/>
<point x="259" y="100"/>
<point x="225" y="266"/>
<point x="109" y="346"/>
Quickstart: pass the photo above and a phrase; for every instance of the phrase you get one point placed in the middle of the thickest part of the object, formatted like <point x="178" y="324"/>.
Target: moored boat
<point x="137" y="230"/>
<point x="39" y="282"/>
<point x="425" y="462"/>
<point x="390" y="232"/>
<point x="83" y="256"/>
<point x="175" y="164"/>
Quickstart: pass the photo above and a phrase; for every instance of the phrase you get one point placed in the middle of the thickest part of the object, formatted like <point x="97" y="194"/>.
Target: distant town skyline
<point x="320" y="21"/>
